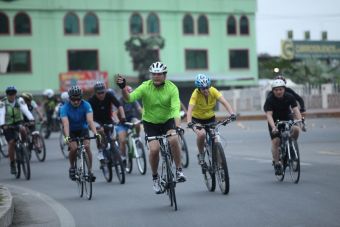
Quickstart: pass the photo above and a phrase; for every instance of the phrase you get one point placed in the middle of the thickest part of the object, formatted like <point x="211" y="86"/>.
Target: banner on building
<point x="84" y="79"/>
<point x="291" y="49"/>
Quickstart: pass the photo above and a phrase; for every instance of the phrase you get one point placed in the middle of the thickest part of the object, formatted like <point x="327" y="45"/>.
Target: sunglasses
<point x="75" y="99"/>
<point x="204" y="88"/>
<point x="11" y="93"/>
<point x="100" y="92"/>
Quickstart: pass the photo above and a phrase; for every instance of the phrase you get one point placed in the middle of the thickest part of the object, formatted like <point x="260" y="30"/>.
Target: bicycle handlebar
<point x="149" y="138"/>
<point x="132" y="123"/>
<point x="214" y="125"/>
<point x="82" y="138"/>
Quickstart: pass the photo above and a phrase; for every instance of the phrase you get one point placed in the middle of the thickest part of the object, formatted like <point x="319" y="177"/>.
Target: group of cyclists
<point x="160" y="114"/>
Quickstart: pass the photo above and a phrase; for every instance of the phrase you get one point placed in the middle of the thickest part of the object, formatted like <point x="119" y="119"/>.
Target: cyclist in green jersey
<point x="161" y="106"/>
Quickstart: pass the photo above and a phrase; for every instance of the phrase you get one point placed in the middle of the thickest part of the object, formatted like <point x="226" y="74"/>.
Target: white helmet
<point x="278" y="83"/>
<point x="64" y="96"/>
<point x="49" y="93"/>
<point x="158" y="67"/>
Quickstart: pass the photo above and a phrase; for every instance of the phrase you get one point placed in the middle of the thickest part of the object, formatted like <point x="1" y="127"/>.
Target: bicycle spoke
<point x="140" y="157"/>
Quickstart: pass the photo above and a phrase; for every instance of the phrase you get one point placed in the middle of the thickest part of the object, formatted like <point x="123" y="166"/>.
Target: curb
<point x="6" y="207"/>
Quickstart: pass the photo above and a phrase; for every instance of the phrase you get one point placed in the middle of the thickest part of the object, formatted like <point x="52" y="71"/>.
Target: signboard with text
<point x="84" y="79"/>
<point x="291" y="49"/>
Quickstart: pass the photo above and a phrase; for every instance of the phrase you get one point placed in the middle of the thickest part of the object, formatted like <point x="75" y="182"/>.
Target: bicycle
<point x="3" y="144"/>
<point x="289" y="151"/>
<point x="48" y="127"/>
<point x="82" y="172"/>
<point x="215" y="162"/>
<point x="62" y="144"/>
<point x="135" y="149"/>
<point x="167" y="176"/>
<point x="22" y="153"/>
<point x="112" y="157"/>
<point x="184" y="149"/>
<point x="36" y="143"/>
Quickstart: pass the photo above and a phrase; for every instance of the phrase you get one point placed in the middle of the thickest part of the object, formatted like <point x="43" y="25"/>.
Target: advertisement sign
<point x="291" y="49"/>
<point x="84" y="79"/>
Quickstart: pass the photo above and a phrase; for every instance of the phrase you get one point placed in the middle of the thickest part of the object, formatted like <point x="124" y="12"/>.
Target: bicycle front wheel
<point x="79" y="176"/>
<point x="207" y="171"/>
<point x="88" y="177"/>
<point x="39" y="147"/>
<point x="140" y="157"/>
<point x="171" y="184"/>
<point x="18" y="154"/>
<point x="63" y="146"/>
<point x="129" y="158"/>
<point x="222" y="169"/>
<point x="44" y="130"/>
<point x="25" y="162"/>
<point x="294" y="161"/>
<point x="3" y="146"/>
<point x="107" y="167"/>
<point x="117" y="162"/>
<point x="184" y="151"/>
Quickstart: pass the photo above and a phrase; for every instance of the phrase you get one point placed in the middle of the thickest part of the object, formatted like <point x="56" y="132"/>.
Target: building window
<point x="82" y="60"/>
<point x="136" y="24"/>
<point x="239" y="59"/>
<point x="15" y="61"/>
<point x="22" y="24"/>
<point x="196" y="59"/>
<point x="152" y="24"/>
<point x="152" y="55"/>
<point x="244" y="25"/>
<point x="71" y="24"/>
<point x="188" y="24"/>
<point x="203" y="27"/>
<point x="231" y="25"/>
<point x="91" y="25"/>
<point x="4" y="24"/>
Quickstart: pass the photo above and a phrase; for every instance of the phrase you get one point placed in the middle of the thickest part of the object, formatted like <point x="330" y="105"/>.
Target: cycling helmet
<point x="48" y="93"/>
<point x="129" y="89"/>
<point x="158" y="67"/>
<point x="74" y="91"/>
<point x="27" y="96"/>
<point x="99" y="86"/>
<point x="64" y="96"/>
<point x="278" y="83"/>
<point x="280" y="77"/>
<point x="202" y="81"/>
<point x="11" y="90"/>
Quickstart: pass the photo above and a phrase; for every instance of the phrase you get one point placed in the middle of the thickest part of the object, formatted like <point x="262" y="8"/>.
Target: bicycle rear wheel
<point x="87" y="179"/>
<point x="207" y="170"/>
<point x="63" y="146"/>
<point x="118" y="164"/>
<point x="79" y="175"/>
<point x="184" y="151"/>
<point x="171" y="184"/>
<point x="25" y="162"/>
<point x="140" y="157"/>
<point x="222" y="169"/>
<point x="294" y="161"/>
<point x="39" y="147"/>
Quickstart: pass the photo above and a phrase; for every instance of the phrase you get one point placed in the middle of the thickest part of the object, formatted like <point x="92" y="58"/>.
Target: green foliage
<point x="143" y="53"/>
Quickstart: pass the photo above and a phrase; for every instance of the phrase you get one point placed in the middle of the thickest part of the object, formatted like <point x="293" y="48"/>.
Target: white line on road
<point x="259" y="160"/>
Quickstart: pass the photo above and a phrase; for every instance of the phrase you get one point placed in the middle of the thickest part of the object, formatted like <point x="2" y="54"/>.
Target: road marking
<point x="64" y="216"/>
<point x="329" y="152"/>
<point x="260" y="160"/>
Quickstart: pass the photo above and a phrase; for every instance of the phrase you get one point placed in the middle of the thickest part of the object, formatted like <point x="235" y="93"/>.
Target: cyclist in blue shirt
<point x="77" y="117"/>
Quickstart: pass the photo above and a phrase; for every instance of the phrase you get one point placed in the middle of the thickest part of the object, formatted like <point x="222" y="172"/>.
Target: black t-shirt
<point x="281" y="107"/>
<point x="296" y="96"/>
<point x="102" y="110"/>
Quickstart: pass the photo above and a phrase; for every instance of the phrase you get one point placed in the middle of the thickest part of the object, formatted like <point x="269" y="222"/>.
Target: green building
<point x="40" y="39"/>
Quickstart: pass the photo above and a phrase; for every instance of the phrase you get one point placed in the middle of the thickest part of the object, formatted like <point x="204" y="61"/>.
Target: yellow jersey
<point x="204" y="106"/>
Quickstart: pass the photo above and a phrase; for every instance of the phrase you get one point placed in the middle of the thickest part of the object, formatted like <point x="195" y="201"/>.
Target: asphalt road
<point x="256" y="198"/>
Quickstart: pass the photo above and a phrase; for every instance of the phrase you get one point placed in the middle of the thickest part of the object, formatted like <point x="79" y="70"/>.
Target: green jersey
<point x="159" y="103"/>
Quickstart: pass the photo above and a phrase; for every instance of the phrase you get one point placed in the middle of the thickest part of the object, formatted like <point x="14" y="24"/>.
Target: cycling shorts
<point x="158" y="129"/>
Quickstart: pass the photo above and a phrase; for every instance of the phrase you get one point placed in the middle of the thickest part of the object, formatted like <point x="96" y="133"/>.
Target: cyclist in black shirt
<point x="101" y="103"/>
<point x="279" y="106"/>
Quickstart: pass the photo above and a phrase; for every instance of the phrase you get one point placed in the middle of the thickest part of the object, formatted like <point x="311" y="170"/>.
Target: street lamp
<point x="276" y="70"/>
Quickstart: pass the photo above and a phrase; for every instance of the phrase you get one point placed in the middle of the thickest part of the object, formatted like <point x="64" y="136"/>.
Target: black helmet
<point x="11" y="90"/>
<point x="74" y="91"/>
<point x="27" y="96"/>
<point x="99" y="86"/>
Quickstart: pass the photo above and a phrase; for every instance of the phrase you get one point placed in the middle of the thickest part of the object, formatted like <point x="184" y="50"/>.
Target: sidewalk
<point x="6" y="206"/>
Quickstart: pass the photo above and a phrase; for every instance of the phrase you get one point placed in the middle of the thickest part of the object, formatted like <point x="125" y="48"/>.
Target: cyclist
<point x="132" y="112"/>
<point x="161" y="105"/>
<point x="279" y="106"/>
<point x="50" y="102"/>
<point x="201" y="109"/>
<point x="101" y="103"/>
<point x="77" y="117"/>
<point x="64" y="98"/>
<point x="12" y="109"/>
<point x="32" y="106"/>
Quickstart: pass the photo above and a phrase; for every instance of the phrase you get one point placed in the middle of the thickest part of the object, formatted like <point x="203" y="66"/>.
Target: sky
<point x="275" y="17"/>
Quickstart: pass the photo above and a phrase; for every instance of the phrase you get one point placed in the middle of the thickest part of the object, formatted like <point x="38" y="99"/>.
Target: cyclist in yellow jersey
<point x="201" y="108"/>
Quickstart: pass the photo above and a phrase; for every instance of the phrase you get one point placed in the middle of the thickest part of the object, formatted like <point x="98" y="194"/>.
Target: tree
<point x="143" y="54"/>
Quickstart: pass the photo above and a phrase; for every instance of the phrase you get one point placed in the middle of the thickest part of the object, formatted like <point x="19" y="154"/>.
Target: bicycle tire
<point x="87" y="179"/>
<point x="3" y="147"/>
<point x="207" y="171"/>
<point x="40" y="150"/>
<point x="25" y="162"/>
<point x="107" y="167"/>
<point x="222" y="169"/>
<point x="45" y="131"/>
<point x="63" y="146"/>
<point x="171" y="184"/>
<point x="117" y="162"/>
<point x="283" y="160"/>
<point x="129" y="158"/>
<point x="294" y="162"/>
<point x="140" y="157"/>
<point x="18" y="161"/>
<point x="184" y="151"/>
<point x="79" y="182"/>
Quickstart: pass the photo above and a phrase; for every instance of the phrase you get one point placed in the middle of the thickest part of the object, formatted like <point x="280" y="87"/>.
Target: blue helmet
<point x="11" y="90"/>
<point x="202" y="81"/>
